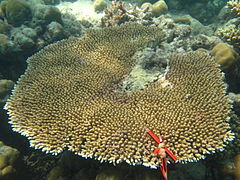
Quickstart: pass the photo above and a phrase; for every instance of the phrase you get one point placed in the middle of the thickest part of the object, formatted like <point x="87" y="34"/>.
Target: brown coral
<point x="225" y="56"/>
<point x="67" y="99"/>
<point x="231" y="34"/>
<point x="115" y="15"/>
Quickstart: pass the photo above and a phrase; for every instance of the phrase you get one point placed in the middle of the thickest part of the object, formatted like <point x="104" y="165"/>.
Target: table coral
<point x="68" y="99"/>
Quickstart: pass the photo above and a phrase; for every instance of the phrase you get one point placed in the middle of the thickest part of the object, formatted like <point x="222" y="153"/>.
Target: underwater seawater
<point x="120" y="90"/>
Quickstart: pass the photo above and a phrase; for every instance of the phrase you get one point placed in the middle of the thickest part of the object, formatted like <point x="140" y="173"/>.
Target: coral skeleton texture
<point x="67" y="99"/>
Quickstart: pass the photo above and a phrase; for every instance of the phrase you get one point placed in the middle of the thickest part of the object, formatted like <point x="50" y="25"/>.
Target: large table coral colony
<point x="67" y="99"/>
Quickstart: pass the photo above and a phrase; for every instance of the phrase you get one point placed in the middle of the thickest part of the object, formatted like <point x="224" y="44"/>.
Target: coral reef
<point x="54" y="32"/>
<point x="99" y="5"/>
<point x="3" y="43"/>
<point x="235" y="169"/>
<point x="120" y="13"/>
<point x="8" y="157"/>
<point x="5" y="87"/>
<point x="46" y="26"/>
<point x="15" y="12"/>
<point x="57" y="173"/>
<point x="83" y="111"/>
<point x="159" y="8"/>
<point x="4" y="27"/>
<point x="38" y="163"/>
<point x="43" y="15"/>
<point x="231" y="34"/>
<point x="183" y="33"/>
<point x="234" y="6"/>
<point x="149" y="67"/>
<point x="205" y="11"/>
<point x="236" y="102"/>
<point x="154" y="10"/>
<point x="24" y="38"/>
<point x="115" y="15"/>
<point x="229" y="159"/>
<point x="88" y="169"/>
<point x="72" y="26"/>
<point x="110" y="174"/>
<point x="196" y="171"/>
<point x="225" y="56"/>
<point x="51" y="2"/>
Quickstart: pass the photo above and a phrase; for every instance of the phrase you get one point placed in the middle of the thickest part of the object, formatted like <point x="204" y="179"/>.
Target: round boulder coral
<point x="99" y="5"/>
<point x="8" y="156"/>
<point x="44" y="15"/>
<point x="15" y="12"/>
<point x="159" y="8"/>
<point x="225" y="55"/>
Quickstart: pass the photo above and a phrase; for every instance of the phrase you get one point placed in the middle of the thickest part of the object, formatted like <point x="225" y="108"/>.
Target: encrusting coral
<point x="68" y="99"/>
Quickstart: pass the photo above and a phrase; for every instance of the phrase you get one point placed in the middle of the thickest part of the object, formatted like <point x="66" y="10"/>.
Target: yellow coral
<point x="234" y="6"/>
<point x="159" y="8"/>
<point x="231" y="34"/>
<point x="225" y="55"/>
<point x="99" y="5"/>
<point x="67" y="99"/>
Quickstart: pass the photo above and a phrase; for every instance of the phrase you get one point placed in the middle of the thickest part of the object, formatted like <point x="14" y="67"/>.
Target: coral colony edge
<point x="68" y="98"/>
